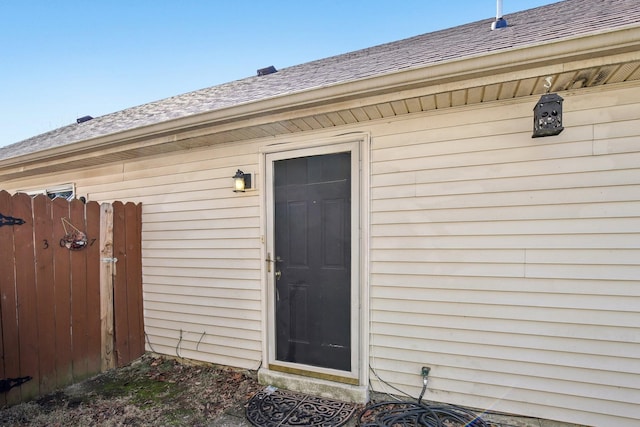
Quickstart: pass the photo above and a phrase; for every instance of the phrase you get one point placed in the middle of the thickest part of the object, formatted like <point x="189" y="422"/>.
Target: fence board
<point x="43" y="239"/>
<point x="127" y="294"/>
<point x="8" y="303"/>
<point x="52" y="314"/>
<point x="26" y="291"/>
<point x="78" y="297"/>
<point x="106" y="287"/>
<point x="94" y="342"/>
<point x="134" y="276"/>
<point x="62" y="296"/>
<point x="120" y="285"/>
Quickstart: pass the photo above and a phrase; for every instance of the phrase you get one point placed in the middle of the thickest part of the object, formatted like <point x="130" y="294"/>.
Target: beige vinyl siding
<point x="511" y="265"/>
<point x="201" y="248"/>
<point x="201" y="252"/>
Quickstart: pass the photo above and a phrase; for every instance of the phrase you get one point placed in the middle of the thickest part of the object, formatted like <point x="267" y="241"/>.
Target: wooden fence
<point x="70" y="291"/>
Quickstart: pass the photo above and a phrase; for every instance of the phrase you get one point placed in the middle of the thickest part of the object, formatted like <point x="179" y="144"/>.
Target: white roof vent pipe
<point x="500" y="22"/>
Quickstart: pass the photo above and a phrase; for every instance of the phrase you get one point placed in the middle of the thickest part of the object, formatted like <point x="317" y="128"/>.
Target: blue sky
<point x="66" y="59"/>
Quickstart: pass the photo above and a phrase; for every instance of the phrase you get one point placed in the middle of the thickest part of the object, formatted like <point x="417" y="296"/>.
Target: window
<point x="66" y="191"/>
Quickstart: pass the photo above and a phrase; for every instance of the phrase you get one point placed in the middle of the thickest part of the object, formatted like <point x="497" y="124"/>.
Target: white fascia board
<point x="552" y="56"/>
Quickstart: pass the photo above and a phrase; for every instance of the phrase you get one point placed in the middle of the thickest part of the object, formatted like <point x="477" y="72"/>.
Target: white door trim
<point x="358" y="145"/>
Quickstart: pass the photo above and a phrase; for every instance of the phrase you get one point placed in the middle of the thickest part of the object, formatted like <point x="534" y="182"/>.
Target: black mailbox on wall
<point x="547" y="116"/>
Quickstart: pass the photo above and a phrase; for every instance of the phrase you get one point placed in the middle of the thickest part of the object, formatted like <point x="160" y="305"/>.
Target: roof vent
<point x="83" y="119"/>
<point x="269" y="70"/>
<point x="500" y="22"/>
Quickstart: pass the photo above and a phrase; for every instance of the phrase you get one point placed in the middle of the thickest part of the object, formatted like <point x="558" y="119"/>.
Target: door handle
<point x="269" y="261"/>
<point x="278" y="274"/>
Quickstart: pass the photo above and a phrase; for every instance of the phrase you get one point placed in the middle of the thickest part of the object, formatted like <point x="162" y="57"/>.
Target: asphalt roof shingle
<point x="544" y="24"/>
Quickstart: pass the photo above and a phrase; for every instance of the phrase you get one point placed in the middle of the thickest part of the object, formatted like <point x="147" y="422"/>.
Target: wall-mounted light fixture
<point x="241" y="181"/>
<point x="547" y="116"/>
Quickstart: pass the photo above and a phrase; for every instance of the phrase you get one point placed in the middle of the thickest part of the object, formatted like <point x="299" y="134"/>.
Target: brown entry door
<point x="313" y="260"/>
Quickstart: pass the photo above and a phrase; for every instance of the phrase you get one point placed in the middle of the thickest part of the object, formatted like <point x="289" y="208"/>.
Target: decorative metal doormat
<point x="280" y="408"/>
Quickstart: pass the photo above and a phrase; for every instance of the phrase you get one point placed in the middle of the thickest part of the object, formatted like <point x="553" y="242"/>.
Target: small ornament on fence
<point x="9" y="220"/>
<point x="74" y="239"/>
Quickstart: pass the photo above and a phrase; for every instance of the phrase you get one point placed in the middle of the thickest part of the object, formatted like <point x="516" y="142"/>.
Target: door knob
<point x="278" y="274"/>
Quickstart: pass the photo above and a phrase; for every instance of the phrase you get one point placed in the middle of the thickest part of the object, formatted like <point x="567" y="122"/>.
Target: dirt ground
<point x="160" y="391"/>
<point x="152" y="391"/>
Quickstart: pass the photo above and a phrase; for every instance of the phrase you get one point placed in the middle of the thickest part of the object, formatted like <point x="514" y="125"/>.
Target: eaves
<point x="573" y="63"/>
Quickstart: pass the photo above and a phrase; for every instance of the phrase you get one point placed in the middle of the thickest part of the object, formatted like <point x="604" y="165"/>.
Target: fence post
<point x="107" y="271"/>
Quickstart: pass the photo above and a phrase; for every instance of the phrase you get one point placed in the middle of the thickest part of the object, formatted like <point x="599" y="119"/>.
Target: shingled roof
<point x="546" y="24"/>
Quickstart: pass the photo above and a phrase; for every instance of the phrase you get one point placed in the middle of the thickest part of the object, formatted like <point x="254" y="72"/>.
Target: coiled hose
<point x="414" y="414"/>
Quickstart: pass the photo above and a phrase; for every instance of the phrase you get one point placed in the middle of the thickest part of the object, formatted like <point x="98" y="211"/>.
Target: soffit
<point x="348" y="112"/>
<point x="538" y="85"/>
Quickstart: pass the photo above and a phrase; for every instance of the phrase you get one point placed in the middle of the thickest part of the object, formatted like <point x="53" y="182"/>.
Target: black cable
<point x="405" y="414"/>
<point x="388" y="385"/>
<point x="412" y="414"/>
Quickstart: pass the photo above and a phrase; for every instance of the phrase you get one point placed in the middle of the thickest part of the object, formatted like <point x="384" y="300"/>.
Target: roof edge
<point x="591" y="46"/>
